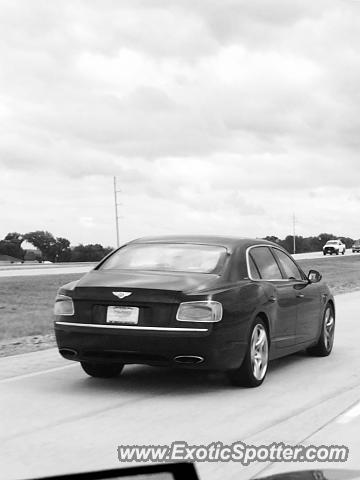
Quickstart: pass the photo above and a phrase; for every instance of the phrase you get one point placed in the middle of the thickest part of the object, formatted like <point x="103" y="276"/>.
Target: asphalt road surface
<point x="309" y="255"/>
<point x="54" y="419"/>
<point x="54" y="269"/>
<point x="21" y="270"/>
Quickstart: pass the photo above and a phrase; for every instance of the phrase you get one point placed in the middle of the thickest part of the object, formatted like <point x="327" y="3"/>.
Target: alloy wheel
<point x="329" y="324"/>
<point x="259" y="353"/>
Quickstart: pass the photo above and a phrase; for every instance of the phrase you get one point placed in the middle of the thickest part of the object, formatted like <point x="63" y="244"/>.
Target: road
<point x="55" y="269"/>
<point x="21" y="270"/>
<point x="309" y="255"/>
<point x="55" y="419"/>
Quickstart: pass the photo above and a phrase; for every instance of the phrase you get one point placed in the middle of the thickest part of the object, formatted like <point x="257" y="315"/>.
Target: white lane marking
<point x="350" y="414"/>
<point x="34" y="374"/>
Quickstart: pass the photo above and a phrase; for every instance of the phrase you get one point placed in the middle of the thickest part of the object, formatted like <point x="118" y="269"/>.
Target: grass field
<point x="342" y="274"/>
<point x="26" y="303"/>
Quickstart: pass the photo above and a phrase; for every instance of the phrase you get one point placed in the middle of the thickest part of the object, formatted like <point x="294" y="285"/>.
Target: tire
<point x="253" y="370"/>
<point x="343" y="252"/>
<point x="337" y="252"/>
<point x="324" y="253"/>
<point x="102" y="370"/>
<point x="325" y="343"/>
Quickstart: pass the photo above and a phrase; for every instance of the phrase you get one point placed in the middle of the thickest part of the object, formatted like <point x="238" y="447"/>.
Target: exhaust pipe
<point x="188" y="359"/>
<point x="68" y="353"/>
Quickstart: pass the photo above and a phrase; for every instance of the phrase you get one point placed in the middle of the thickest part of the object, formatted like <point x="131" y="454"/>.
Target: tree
<point x="14" y="237"/>
<point x="44" y="241"/>
<point x="89" y="253"/>
<point x="61" y="250"/>
<point x="288" y="243"/>
<point x="273" y="239"/>
<point x="325" y="237"/>
<point x="52" y="249"/>
<point x="348" y="241"/>
<point x="11" y="245"/>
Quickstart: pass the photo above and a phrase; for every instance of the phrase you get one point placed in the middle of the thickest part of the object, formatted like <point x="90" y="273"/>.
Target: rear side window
<point x="290" y="268"/>
<point x="265" y="263"/>
<point x="254" y="272"/>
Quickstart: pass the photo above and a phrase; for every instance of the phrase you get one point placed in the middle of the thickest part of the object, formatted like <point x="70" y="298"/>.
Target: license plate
<point x="122" y="315"/>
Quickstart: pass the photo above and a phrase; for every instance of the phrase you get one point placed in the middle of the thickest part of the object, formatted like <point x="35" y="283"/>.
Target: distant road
<point x="300" y="256"/>
<point x="18" y="270"/>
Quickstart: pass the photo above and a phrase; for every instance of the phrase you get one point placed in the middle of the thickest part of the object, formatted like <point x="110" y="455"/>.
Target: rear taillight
<point x="63" y="305"/>
<point x="201" y="311"/>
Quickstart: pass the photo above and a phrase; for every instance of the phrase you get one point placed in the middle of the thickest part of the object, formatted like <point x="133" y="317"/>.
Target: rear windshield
<point x="175" y="257"/>
<point x="332" y="242"/>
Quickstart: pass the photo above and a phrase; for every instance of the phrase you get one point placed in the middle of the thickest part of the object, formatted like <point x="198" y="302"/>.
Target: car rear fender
<point x="266" y="308"/>
<point x="247" y="302"/>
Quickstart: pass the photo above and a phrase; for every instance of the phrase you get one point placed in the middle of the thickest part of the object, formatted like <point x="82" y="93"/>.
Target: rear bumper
<point x="216" y="348"/>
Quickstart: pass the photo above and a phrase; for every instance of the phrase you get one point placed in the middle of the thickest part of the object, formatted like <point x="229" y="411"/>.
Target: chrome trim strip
<point x="132" y="327"/>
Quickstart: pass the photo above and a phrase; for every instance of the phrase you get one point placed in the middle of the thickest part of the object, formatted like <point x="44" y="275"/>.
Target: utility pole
<point x="294" y="241"/>
<point x="116" y="213"/>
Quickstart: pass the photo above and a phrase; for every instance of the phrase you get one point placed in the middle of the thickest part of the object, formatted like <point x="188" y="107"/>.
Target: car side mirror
<point x="314" y="276"/>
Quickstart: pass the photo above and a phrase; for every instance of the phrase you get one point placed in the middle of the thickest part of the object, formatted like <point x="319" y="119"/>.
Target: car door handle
<point x="300" y="295"/>
<point x="272" y="299"/>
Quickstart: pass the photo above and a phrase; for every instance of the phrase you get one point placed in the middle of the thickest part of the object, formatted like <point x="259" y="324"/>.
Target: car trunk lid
<point x="150" y="297"/>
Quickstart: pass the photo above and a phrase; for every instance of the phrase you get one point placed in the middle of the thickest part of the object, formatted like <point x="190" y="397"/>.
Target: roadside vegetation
<point x="26" y="303"/>
<point x="308" y="244"/>
<point x="46" y="247"/>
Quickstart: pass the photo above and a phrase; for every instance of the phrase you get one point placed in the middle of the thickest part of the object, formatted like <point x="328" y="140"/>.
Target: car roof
<point x="225" y="241"/>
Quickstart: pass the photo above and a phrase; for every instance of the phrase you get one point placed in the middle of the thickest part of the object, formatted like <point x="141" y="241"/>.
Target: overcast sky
<point x="216" y="116"/>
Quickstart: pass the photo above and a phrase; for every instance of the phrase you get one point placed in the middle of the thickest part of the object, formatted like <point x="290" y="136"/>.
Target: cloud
<point x="226" y="111"/>
<point x="83" y="78"/>
<point x="87" y="222"/>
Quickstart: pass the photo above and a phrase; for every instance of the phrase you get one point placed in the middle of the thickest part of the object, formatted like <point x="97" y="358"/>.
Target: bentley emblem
<point x="122" y="294"/>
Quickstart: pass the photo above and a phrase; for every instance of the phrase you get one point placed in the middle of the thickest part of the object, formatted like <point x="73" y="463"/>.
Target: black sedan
<point x="204" y="302"/>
